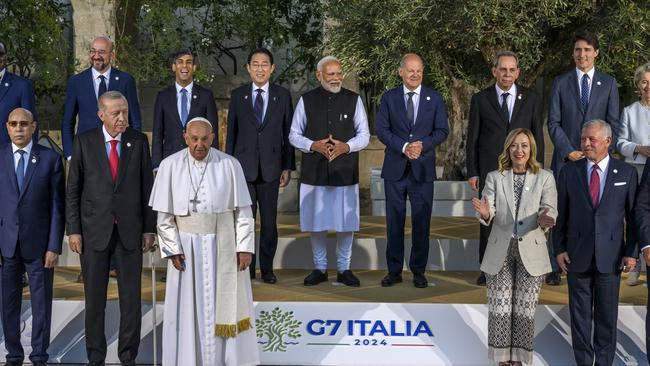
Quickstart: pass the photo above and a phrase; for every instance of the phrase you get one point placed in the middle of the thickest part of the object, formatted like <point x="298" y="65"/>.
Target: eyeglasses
<point x="260" y="66"/>
<point x="99" y="52"/>
<point x="23" y="124"/>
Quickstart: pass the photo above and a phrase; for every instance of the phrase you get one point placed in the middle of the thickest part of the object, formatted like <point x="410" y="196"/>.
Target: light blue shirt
<point x="107" y="142"/>
<point x="264" y="95"/>
<point x="179" y="99"/>
<point x="416" y="100"/>
<point x="602" y="174"/>
<point x="27" y="149"/>
<point x="512" y="94"/>
<point x="96" y="80"/>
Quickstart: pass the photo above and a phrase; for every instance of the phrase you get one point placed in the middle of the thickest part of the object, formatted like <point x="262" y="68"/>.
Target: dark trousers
<point x="40" y="288"/>
<point x="647" y="317"/>
<point x="95" y="267"/>
<point x="593" y="298"/>
<point x="420" y="195"/>
<point x="265" y="196"/>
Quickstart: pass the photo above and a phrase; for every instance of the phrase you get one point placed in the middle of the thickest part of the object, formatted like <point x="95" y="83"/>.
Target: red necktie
<point x="594" y="186"/>
<point x="113" y="159"/>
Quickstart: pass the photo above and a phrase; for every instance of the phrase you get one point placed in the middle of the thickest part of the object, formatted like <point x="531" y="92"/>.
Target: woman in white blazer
<point x="520" y="200"/>
<point x="634" y="138"/>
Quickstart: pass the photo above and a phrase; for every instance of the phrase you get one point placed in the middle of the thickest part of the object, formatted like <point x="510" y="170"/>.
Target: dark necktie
<point x="584" y="92"/>
<point x="102" y="86"/>
<point x="505" y="113"/>
<point x="20" y="170"/>
<point x="113" y="159"/>
<point x="184" y="111"/>
<point x="410" y="109"/>
<point x="258" y="107"/>
<point x="594" y="186"/>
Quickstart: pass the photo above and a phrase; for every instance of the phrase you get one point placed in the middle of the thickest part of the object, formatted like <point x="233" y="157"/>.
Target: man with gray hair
<point x="107" y="216"/>
<point x="596" y="199"/>
<point x="85" y="88"/>
<point x="494" y="112"/>
<point x="330" y="127"/>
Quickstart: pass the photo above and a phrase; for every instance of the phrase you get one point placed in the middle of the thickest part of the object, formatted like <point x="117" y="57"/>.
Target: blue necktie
<point x="20" y="170"/>
<point x="258" y="107"/>
<point x="584" y="92"/>
<point x="410" y="109"/>
<point x="184" y="112"/>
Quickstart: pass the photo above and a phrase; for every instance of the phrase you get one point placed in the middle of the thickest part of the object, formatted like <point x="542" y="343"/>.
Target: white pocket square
<point x="616" y="184"/>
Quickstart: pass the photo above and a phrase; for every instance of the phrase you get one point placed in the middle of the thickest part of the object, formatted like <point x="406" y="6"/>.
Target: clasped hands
<point x="413" y="150"/>
<point x="330" y="148"/>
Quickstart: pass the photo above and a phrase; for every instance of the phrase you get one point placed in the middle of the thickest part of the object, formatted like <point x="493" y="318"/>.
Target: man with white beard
<point x="330" y="127"/>
<point x="206" y="229"/>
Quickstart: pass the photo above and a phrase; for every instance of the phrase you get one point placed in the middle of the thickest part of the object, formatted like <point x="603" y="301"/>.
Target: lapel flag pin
<point x="33" y="159"/>
<point x="128" y="144"/>
<point x="615" y="171"/>
<point x="519" y="97"/>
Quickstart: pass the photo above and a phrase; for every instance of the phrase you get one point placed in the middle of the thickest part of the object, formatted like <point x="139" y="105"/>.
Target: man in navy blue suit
<point x="578" y="96"/>
<point x="411" y="122"/>
<point x="258" y="136"/>
<point x="84" y="89"/>
<point x="31" y="232"/>
<point x="176" y="105"/>
<point x="642" y="217"/>
<point x="15" y="92"/>
<point x="595" y="202"/>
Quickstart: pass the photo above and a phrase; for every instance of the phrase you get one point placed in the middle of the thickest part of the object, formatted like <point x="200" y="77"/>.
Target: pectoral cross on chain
<point x="194" y="202"/>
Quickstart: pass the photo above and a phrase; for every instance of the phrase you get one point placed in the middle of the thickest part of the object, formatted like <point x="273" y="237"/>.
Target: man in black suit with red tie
<point x="108" y="215"/>
<point x="490" y="121"/>
<point x="259" y="120"/>
<point x="176" y="105"/>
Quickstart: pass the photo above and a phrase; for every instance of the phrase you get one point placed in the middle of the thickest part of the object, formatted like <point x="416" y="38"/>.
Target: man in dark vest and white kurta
<point x="330" y="127"/>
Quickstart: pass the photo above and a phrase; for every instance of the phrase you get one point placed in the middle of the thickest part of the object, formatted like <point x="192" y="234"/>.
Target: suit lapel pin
<point x="117" y="78"/>
<point x="527" y="188"/>
<point x="6" y="84"/>
<point x="274" y="99"/>
<point x="519" y="96"/>
<point x="345" y="116"/>
<point x="128" y="144"/>
<point x="615" y="171"/>
<point x="598" y="82"/>
<point x="245" y="96"/>
<point x="33" y="159"/>
<point x="194" y="96"/>
<point x="428" y="98"/>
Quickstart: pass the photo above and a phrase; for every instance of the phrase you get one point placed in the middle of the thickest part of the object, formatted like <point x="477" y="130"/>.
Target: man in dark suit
<point x="595" y="202"/>
<point x="109" y="183"/>
<point x="490" y="121"/>
<point x="642" y="219"/>
<point x="84" y="89"/>
<point x="259" y="120"/>
<point x="15" y="92"/>
<point x="176" y="105"/>
<point x="411" y="122"/>
<point x="31" y="232"/>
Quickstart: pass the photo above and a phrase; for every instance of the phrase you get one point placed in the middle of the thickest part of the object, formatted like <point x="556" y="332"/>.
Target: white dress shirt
<point x="2" y="73"/>
<point x="416" y="105"/>
<point x="264" y="95"/>
<point x="512" y="94"/>
<point x="179" y="99"/>
<point x="96" y="80"/>
<point x="27" y="149"/>
<point x="107" y="142"/>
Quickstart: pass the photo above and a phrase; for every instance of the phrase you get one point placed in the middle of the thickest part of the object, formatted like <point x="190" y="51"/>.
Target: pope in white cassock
<point x="206" y="229"/>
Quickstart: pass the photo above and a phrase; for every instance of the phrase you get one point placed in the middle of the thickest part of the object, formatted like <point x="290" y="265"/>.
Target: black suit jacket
<point x="93" y="201"/>
<point x="487" y="129"/>
<point x="167" y="127"/>
<point x="263" y="147"/>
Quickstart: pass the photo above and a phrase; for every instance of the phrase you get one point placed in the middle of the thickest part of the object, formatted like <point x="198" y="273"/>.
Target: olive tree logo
<point x="277" y="326"/>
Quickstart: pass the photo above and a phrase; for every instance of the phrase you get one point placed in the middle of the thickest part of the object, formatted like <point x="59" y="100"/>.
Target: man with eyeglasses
<point x="15" y="92"/>
<point x="85" y="88"/>
<point x="259" y="120"/>
<point x="176" y="105"/>
<point x="32" y="220"/>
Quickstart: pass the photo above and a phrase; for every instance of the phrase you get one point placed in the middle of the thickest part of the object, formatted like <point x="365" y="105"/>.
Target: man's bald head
<point x="411" y="69"/>
<point x="198" y="137"/>
<point x="21" y="127"/>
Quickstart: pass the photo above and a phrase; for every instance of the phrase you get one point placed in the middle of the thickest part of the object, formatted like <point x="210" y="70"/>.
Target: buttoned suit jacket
<point x="167" y="136"/>
<point x="81" y="102"/>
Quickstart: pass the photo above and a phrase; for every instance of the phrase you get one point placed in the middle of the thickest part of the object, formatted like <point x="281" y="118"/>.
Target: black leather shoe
<point x="96" y="364"/>
<point x="129" y="363"/>
<point x="348" y="278"/>
<point x="419" y="280"/>
<point x="391" y="278"/>
<point x="39" y="363"/>
<point x="480" y="281"/>
<point x="14" y="363"/>
<point x="269" y="277"/>
<point x="554" y="279"/>
<point x="315" y="277"/>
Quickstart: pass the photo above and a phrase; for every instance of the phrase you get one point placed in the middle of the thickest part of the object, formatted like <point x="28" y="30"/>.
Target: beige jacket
<point x="539" y="193"/>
